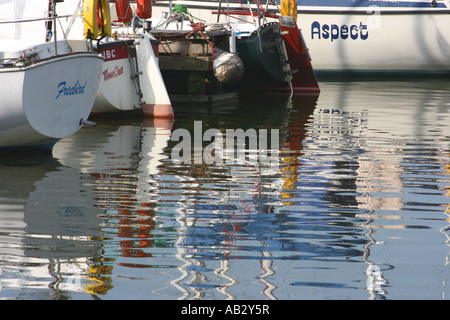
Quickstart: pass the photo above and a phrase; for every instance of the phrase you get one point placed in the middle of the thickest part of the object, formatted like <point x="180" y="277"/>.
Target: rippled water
<point x="357" y="207"/>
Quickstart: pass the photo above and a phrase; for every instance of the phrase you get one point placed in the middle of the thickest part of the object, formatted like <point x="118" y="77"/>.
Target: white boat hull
<point x="345" y="35"/>
<point x="128" y="82"/>
<point x="385" y="42"/>
<point x="47" y="100"/>
<point x="131" y="78"/>
<point x="118" y="89"/>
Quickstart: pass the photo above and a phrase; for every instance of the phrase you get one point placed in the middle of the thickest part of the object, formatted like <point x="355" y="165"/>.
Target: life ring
<point x="289" y="8"/>
<point x="96" y="13"/>
<point x="144" y="9"/>
<point x="124" y="11"/>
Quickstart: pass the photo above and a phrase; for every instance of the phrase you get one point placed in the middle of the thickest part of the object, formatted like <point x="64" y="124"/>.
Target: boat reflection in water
<point x="361" y="174"/>
<point x="359" y="197"/>
<point x="52" y="235"/>
<point x="229" y="213"/>
<point x="58" y="210"/>
<point x="117" y="164"/>
<point x="398" y="134"/>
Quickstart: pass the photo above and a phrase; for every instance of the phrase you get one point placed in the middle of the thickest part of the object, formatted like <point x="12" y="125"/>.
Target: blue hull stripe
<point x="353" y="4"/>
<point x="367" y="3"/>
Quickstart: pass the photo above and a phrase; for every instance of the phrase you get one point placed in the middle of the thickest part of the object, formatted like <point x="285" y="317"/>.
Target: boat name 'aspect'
<point x="113" y="74"/>
<point x="69" y="91"/>
<point x="334" y="32"/>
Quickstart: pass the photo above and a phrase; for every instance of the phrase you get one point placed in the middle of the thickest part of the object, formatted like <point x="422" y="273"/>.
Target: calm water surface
<point x="357" y="208"/>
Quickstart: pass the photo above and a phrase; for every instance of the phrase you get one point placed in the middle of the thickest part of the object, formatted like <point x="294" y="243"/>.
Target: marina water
<point x="356" y="208"/>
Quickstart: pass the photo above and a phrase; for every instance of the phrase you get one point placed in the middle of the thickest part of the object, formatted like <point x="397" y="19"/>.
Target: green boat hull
<point x="264" y="58"/>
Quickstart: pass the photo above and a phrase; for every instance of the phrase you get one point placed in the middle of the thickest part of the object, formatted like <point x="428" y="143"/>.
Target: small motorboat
<point x="270" y="47"/>
<point x="348" y="36"/>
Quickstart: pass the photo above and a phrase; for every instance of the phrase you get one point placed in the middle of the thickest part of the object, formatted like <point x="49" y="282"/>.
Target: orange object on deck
<point x="144" y="9"/>
<point x="124" y="11"/>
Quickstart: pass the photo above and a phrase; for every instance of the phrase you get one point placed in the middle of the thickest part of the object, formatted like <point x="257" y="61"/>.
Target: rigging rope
<point x="180" y="8"/>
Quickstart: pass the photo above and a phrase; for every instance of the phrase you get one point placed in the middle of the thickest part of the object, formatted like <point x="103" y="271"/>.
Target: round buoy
<point x="228" y="68"/>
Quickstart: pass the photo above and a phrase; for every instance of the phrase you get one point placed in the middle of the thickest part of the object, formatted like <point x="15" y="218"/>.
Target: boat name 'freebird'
<point x="70" y="91"/>
<point x="334" y="32"/>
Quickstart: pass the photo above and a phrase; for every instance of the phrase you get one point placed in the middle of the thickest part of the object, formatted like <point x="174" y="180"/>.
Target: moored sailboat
<point x="130" y="79"/>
